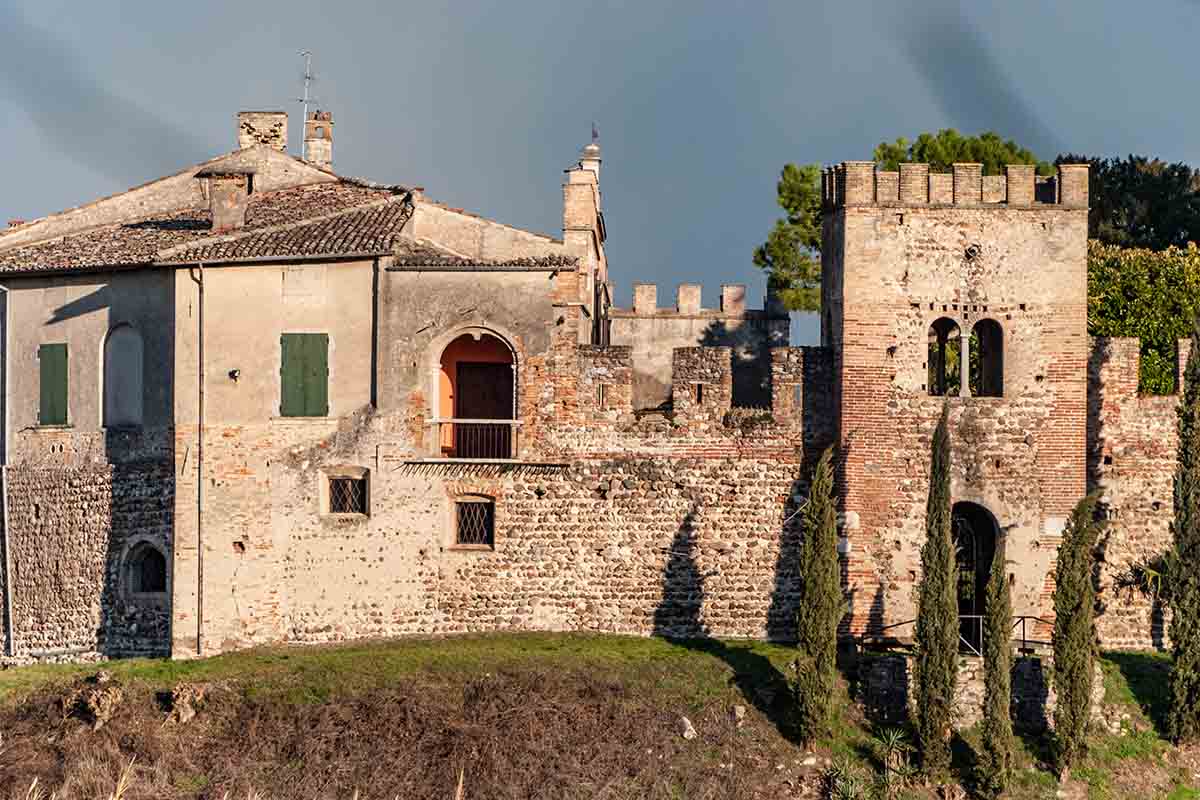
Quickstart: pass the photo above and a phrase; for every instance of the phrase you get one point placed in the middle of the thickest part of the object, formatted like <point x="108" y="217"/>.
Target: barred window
<point x="475" y="522"/>
<point x="347" y="495"/>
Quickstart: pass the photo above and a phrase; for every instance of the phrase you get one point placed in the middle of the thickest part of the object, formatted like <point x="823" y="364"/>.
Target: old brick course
<point x="613" y="516"/>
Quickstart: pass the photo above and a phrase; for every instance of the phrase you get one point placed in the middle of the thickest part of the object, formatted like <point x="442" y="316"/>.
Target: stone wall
<point x="896" y="265"/>
<point x="653" y="333"/>
<point x="1132" y="441"/>
<point x="887" y="691"/>
<point x="70" y="532"/>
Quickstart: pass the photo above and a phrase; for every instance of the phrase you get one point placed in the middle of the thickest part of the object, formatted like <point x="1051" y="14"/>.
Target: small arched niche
<point x="944" y="363"/>
<point x="146" y="571"/>
<point x="123" y="366"/>
<point x="987" y="359"/>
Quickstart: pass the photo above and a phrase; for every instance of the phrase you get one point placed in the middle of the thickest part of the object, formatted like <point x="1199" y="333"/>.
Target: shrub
<point x="937" y="614"/>
<point x="996" y="760"/>
<point x="1183" y="578"/>
<point x="1074" y="632"/>
<point x="821" y="606"/>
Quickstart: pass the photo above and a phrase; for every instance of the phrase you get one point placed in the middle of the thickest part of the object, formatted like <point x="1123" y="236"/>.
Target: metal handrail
<point x="1021" y="621"/>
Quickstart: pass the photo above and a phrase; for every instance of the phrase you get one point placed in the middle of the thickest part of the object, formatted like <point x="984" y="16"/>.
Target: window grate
<point x="475" y="523"/>
<point x="347" y="495"/>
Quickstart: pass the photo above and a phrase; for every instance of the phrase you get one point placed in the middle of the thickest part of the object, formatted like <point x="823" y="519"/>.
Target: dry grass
<point x="500" y="717"/>
<point x="485" y="718"/>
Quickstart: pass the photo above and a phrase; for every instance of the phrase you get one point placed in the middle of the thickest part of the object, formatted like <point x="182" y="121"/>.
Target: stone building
<point x="256" y="401"/>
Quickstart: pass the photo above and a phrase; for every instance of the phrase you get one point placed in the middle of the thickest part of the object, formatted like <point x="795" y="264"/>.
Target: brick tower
<point x="917" y="270"/>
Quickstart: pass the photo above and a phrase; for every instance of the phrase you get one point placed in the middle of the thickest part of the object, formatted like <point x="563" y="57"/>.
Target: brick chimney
<point x="262" y="127"/>
<point x="228" y="193"/>
<point x="318" y="139"/>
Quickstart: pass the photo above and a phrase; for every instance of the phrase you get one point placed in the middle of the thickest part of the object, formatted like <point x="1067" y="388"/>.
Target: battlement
<point x="1114" y="367"/>
<point x="861" y="183"/>
<point x="688" y="304"/>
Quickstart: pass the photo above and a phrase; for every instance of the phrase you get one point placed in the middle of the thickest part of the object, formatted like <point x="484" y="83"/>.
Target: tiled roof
<point x="368" y="229"/>
<point x="142" y="241"/>
<point x="430" y="255"/>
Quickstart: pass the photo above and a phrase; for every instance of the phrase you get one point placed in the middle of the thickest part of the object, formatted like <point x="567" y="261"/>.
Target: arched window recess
<point x="944" y="362"/>
<point x="476" y="399"/>
<point x="987" y="359"/>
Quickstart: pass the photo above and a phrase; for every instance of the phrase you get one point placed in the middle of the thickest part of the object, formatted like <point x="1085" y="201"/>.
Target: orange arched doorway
<point x="476" y="384"/>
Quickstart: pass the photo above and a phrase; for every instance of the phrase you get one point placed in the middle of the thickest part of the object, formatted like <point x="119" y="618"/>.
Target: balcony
<point x="477" y="439"/>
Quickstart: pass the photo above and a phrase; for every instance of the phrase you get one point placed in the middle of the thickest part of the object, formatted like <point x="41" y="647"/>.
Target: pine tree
<point x="1183" y="579"/>
<point x="937" y="614"/>
<point x="996" y="759"/>
<point x="820" y="606"/>
<point x="1074" y="632"/>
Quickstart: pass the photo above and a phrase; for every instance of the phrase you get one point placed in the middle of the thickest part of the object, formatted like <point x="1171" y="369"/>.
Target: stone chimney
<point x="228" y="193"/>
<point x="318" y="139"/>
<point x="262" y="127"/>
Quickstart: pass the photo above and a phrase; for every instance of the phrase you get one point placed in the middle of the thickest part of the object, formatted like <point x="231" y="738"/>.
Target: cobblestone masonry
<point x="69" y="530"/>
<point x="887" y="691"/>
<point x="676" y="521"/>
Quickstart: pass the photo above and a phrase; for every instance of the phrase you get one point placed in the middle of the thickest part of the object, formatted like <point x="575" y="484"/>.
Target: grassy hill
<point x="512" y="716"/>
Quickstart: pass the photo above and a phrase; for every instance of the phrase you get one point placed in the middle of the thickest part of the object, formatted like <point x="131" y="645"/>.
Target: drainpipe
<point x="10" y="646"/>
<point x="200" y="466"/>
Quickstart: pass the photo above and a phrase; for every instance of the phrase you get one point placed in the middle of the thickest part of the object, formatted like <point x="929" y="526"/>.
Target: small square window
<point x="475" y="522"/>
<point x="347" y="495"/>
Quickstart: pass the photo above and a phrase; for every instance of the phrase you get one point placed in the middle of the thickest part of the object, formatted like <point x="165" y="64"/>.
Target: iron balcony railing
<point x="478" y="439"/>
<point x="970" y="634"/>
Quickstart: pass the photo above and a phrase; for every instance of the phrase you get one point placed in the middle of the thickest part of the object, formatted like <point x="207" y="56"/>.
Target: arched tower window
<point x="987" y="359"/>
<point x="123" y="377"/>
<point x="945" y="371"/>
<point x="146" y="570"/>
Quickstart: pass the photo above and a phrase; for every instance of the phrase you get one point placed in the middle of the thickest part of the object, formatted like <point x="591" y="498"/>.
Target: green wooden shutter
<point x="52" y="360"/>
<point x="304" y="375"/>
<point x="316" y="378"/>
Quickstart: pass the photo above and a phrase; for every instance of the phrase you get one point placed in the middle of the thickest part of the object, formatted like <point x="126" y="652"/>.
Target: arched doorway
<point x="974" y="530"/>
<point x="476" y="385"/>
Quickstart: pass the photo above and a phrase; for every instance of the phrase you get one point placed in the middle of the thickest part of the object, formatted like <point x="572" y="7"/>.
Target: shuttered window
<point x="52" y="364"/>
<point x="304" y="375"/>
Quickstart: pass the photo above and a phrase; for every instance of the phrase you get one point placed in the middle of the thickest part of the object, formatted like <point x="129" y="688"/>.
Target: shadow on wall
<point x="138" y="403"/>
<point x="679" y="617"/>
<point x="751" y="342"/>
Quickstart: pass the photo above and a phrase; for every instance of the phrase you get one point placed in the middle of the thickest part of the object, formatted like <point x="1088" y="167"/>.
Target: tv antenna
<point x="308" y="80"/>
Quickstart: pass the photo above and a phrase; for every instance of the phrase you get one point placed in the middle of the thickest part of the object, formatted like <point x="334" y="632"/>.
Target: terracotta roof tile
<point x="368" y="229"/>
<point x="142" y="241"/>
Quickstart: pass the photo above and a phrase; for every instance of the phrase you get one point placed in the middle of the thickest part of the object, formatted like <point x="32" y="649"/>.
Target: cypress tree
<point x="996" y="760"/>
<point x="821" y="606"/>
<point x="1074" y="632"/>
<point x="1183" y="573"/>
<point x="937" y="614"/>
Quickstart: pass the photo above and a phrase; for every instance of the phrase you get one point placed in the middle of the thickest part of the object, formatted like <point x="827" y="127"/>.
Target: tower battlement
<point x="688" y="304"/>
<point x="861" y="183"/>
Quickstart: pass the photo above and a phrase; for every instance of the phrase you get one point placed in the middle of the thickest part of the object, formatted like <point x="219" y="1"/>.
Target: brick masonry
<point x="680" y="520"/>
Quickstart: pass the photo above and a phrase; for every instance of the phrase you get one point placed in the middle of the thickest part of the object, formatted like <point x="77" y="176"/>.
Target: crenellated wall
<point x="857" y="183"/>
<point x="1132" y="441"/>
<point x="653" y="333"/>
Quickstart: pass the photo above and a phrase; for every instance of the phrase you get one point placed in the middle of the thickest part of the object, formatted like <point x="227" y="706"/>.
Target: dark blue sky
<point x="484" y="103"/>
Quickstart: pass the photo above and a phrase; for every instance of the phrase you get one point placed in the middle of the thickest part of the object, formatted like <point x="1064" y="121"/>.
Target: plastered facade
<point x="607" y="517"/>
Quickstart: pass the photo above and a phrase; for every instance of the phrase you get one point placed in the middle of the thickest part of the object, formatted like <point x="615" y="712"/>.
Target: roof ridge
<point x="285" y="226"/>
<point x="191" y="169"/>
<point x="55" y="214"/>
